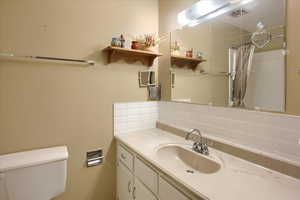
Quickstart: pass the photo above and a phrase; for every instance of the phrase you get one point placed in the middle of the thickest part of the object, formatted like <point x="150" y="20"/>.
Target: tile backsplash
<point x="275" y="135"/>
<point x="134" y="116"/>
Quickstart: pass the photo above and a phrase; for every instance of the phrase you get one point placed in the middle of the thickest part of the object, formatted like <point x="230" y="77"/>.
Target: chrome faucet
<point x="199" y="146"/>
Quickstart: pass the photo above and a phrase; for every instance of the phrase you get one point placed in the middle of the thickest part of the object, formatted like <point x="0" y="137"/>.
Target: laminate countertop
<point x="236" y="180"/>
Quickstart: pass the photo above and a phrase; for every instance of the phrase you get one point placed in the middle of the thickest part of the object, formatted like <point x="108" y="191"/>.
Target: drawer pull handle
<point x="123" y="156"/>
<point x="133" y="193"/>
<point x="129" y="186"/>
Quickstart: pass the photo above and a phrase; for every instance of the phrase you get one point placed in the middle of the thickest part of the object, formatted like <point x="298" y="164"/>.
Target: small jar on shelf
<point x="135" y="45"/>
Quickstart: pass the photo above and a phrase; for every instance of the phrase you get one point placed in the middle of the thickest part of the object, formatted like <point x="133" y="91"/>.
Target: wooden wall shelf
<point x="182" y="61"/>
<point x="131" y="55"/>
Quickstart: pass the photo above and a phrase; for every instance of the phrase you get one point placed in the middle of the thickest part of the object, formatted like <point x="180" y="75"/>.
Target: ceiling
<point x="269" y="12"/>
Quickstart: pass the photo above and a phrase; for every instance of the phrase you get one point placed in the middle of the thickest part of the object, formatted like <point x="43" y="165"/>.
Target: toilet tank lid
<point x="31" y="158"/>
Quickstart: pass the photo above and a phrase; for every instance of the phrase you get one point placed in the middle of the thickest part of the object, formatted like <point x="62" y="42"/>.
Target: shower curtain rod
<point x="250" y="32"/>
<point x="250" y="42"/>
<point x="89" y="62"/>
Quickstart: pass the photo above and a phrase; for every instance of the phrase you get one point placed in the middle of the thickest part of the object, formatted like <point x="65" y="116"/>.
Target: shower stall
<point x="257" y="73"/>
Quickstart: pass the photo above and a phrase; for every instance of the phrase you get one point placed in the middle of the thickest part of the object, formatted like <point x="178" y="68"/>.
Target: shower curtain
<point x="240" y="72"/>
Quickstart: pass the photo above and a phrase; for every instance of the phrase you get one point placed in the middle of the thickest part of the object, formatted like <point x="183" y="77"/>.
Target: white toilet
<point x="33" y="175"/>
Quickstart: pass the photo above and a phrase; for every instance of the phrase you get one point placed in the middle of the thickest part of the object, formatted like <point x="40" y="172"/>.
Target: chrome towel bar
<point x="90" y="62"/>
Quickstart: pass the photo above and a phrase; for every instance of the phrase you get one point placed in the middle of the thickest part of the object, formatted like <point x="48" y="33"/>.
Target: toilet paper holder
<point x="94" y="158"/>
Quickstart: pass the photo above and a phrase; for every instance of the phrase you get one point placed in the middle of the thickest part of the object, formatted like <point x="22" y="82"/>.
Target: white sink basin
<point x="181" y="157"/>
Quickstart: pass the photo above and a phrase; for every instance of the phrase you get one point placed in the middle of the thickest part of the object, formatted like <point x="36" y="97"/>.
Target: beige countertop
<point x="236" y="180"/>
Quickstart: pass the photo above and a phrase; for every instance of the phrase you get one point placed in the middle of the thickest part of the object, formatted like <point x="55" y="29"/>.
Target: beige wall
<point x="213" y="39"/>
<point x="45" y="104"/>
<point x="168" y="11"/>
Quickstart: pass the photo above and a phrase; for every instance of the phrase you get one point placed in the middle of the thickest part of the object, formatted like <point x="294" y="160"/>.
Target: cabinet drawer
<point x="147" y="175"/>
<point x="125" y="157"/>
<point x="167" y="191"/>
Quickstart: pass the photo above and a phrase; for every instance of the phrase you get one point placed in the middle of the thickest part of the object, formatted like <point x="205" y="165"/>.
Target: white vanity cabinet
<point x="124" y="182"/>
<point x="147" y="175"/>
<point x="167" y="191"/>
<point x="140" y="192"/>
<point x="130" y="188"/>
<point x="137" y="180"/>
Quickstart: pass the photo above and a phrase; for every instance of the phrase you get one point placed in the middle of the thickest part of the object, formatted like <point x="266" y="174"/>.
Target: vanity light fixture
<point x="205" y="10"/>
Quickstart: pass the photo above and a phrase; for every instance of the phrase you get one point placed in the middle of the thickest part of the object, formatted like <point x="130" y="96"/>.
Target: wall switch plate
<point x="299" y="141"/>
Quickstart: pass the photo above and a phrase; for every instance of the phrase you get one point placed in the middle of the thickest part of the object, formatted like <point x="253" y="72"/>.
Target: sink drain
<point x="190" y="171"/>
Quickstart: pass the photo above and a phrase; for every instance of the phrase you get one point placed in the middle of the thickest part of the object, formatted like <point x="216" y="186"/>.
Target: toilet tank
<point x="33" y="175"/>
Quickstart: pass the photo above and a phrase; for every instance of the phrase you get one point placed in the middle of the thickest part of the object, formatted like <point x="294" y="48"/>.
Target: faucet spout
<point x="188" y="134"/>
<point x="198" y="146"/>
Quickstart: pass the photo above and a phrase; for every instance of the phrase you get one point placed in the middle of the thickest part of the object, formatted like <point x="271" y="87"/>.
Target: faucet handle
<point x="197" y="147"/>
<point x="204" y="149"/>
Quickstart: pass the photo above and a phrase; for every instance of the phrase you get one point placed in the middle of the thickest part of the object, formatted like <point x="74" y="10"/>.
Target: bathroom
<point x="67" y="85"/>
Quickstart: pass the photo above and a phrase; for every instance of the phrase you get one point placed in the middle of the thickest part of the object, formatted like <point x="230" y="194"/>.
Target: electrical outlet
<point x="299" y="141"/>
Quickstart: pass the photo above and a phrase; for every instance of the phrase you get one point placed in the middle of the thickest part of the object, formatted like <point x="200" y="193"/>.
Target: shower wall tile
<point x="275" y="135"/>
<point x="134" y="116"/>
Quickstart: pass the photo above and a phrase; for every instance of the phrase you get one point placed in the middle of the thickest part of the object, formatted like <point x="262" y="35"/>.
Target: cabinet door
<point x="140" y="192"/>
<point x="146" y="175"/>
<point x="124" y="182"/>
<point x="167" y="191"/>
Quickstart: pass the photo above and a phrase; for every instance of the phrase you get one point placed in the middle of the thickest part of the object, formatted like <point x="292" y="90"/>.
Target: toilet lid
<point x="31" y="158"/>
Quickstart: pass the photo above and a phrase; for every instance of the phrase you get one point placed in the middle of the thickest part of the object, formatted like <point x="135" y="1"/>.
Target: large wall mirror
<point x="231" y="53"/>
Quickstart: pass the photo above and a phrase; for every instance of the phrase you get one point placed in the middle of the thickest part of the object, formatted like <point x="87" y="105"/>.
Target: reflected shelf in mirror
<point x="184" y="61"/>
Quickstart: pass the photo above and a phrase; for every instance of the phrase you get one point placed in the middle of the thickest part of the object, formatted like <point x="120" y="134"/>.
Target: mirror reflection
<point x="232" y="55"/>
